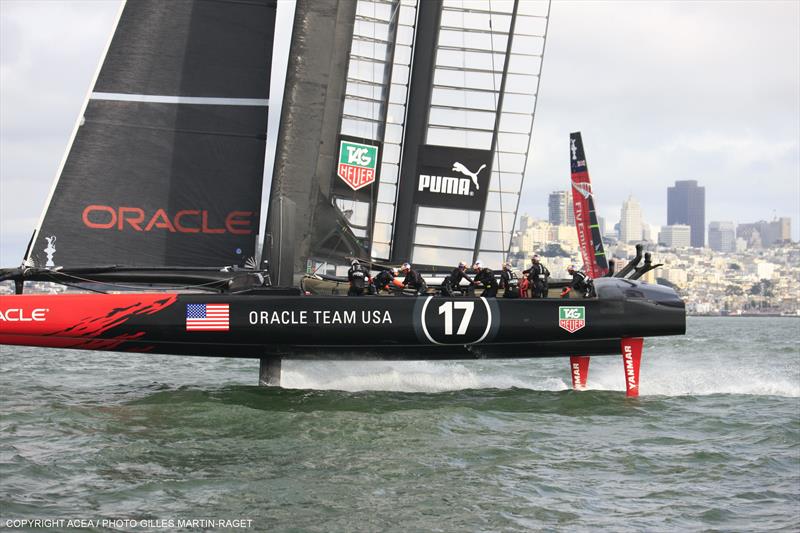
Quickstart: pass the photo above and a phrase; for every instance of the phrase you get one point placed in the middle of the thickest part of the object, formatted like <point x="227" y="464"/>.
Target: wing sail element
<point x="591" y="241"/>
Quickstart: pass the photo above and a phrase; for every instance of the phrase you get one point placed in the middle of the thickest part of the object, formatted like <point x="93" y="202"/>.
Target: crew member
<point x="452" y="283"/>
<point x="538" y="276"/>
<point x="523" y="287"/>
<point x="509" y="282"/>
<point x="358" y="278"/>
<point x="581" y="283"/>
<point x="414" y="280"/>
<point x="485" y="277"/>
<point x="385" y="279"/>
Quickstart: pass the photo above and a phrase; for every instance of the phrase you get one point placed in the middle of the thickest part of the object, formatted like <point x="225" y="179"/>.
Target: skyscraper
<point x="686" y="204"/>
<point x="677" y="236"/>
<point x="783" y="229"/>
<point x="560" y="208"/>
<point x="763" y="233"/>
<point x="630" y="221"/>
<point x="722" y="236"/>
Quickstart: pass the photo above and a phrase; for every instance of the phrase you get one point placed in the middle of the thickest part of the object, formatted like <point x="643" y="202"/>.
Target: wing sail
<point x="591" y="241"/>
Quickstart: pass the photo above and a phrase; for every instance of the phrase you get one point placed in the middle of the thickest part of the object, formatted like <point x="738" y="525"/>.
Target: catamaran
<point x="404" y="135"/>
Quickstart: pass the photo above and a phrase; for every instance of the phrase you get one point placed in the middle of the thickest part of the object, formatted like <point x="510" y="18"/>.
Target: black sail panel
<point x="166" y="166"/>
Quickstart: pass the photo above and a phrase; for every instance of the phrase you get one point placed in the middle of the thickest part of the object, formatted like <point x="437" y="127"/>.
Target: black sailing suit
<point x="357" y="277"/>
<point x="582" y="283"/>
<point x="383" y="279"/>
<point x="414" y="281"/>
<point x="537" y="279"/>
<point x="509" y="283"/>
<point x="486" y="278"/>
<point x="452" y="282"/>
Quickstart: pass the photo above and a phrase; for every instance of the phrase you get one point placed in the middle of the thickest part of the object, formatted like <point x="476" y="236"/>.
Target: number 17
<point x="446" y="309"/>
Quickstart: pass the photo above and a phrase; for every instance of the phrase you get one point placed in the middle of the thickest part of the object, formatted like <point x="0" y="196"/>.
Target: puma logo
<point x="458" y="167"/>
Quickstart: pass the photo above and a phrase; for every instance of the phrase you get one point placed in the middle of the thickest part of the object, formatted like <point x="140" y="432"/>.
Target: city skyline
<point x="643" y="225"/>
<point x="650" y="114"/>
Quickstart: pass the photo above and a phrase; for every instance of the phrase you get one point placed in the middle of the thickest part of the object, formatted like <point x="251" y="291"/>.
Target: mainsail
<point x="474" y="86"/>
<point x="591" y="241"/>
<point x="405" y="130"/>
<point x="166" y="162"/>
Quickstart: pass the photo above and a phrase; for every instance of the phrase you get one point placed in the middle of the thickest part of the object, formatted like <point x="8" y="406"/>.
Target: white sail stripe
<point x="195" y="100"/>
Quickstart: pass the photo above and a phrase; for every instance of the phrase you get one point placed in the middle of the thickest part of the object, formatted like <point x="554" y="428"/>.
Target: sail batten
<point x="169" y="99"/>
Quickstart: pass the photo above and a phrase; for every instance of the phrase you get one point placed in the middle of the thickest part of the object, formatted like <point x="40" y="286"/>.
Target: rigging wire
<point x="498" y="112"/>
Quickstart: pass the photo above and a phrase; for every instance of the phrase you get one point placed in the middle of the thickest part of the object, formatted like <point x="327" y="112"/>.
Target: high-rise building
<point x="783" y="229"/>
<point x="676" y="236"/>
<point x="749" y="233"/>
<point x="560" y="209"/>
<point x="630" y="221"/>
<point x="686" y="204"/>
<point x="525" y="222"/>
<point x="722" y="236"/>
<point x="763" y="233"/>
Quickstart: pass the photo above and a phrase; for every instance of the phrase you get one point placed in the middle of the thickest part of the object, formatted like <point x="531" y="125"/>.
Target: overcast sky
<point x="660" y="90"/>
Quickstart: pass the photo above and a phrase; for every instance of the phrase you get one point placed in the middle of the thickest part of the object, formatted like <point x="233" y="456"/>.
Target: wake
<point x="665" y="375"/>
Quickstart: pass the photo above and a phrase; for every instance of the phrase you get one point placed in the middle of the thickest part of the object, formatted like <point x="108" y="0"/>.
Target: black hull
<point x="340" y="327"/>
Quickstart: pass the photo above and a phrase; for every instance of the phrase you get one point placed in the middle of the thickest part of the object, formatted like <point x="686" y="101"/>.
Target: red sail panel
<point x="589" y="237"/>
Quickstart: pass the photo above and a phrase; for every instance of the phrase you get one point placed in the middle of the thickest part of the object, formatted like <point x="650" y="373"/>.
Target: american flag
<point x="207" y="317"/>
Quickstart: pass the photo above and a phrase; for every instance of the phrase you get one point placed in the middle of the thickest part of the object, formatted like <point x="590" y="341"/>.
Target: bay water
<point x="152" y="443"/>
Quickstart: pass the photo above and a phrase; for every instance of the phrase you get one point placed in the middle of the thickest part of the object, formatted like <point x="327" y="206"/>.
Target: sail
<point x="474" y="85"/>
<point x="591" y="241"/>
<point x="338" y="151"/>
<point x="166" y="163"/>
<point x="405" y="130"/>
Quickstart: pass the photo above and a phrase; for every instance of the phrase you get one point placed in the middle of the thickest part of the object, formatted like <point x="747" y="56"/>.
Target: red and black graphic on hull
<point x="82" y="321"/>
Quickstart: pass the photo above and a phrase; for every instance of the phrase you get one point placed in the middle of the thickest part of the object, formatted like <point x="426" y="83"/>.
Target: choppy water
<point x="712" y="444"/>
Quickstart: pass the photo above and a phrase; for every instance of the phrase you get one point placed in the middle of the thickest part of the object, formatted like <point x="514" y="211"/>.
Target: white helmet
<point x="406" y="266"/>
<point x="477" y="264"/>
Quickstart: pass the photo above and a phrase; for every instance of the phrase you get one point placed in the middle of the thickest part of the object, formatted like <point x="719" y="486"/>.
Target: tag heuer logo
<point x="357" y="163"/>
<point x="571" y="318"/>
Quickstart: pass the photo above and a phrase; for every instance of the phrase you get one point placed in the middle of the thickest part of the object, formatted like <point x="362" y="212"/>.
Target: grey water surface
<point x="713" y="443"/>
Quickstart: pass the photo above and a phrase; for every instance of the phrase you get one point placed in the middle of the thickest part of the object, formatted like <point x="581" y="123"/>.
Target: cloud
<point x="661" y="91"/>
<point x="673" y="90"/>
<point x="49" y="53"/>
